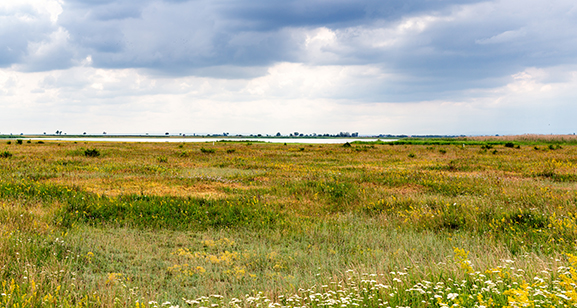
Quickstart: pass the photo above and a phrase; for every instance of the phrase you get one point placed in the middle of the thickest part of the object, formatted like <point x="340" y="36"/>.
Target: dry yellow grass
<point x="298" y="218"/>
<point x="527" y="137"/>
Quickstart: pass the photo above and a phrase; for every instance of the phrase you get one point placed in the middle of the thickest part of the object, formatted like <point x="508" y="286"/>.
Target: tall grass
<point x="367" y="225"/>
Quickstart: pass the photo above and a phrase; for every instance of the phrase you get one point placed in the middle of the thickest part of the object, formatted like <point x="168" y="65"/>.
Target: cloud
<point x="180" y="37"/>
<point x="377" y="64"/>
<point x="446" y="41"/>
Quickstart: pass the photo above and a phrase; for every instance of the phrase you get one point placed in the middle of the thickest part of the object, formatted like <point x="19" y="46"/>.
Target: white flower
<point x="452" y="296"/>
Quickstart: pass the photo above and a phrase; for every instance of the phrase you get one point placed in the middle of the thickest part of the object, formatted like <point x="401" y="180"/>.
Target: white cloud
<point x="439" y="67"/>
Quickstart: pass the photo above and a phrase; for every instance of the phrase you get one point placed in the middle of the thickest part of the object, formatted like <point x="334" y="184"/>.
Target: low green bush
<point x="5" y="154"/>
<point x="91" y="153"/>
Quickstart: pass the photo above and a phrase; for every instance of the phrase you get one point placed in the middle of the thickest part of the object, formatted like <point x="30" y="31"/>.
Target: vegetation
<point x="91" y="153"/>
<point x="209" y="150"/>
<point x="419" y="225"/>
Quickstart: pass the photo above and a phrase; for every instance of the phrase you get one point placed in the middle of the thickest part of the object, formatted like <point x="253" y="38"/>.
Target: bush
<point x="442" y="151"/>
<point x="40" y="142"/>
<point x="346" y="145"/>
<point x="28" y="141"/>
<point x="19" y="141"/>
<point x="210" y="151"/>
<point x="8" y="142"/>
<point x="412" y="155"/>
<point x="162" y="159"/>
<point x="229" y="151"/>
<point x="509" y="145"/>
<point x="91" y="153"/>
<point x="5" y="154"/>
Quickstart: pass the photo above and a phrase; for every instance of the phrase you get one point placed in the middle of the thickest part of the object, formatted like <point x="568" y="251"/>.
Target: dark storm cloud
<point x="271" y="15"/>
<point x="438" y="46"/>
<point x="180" y="37"/>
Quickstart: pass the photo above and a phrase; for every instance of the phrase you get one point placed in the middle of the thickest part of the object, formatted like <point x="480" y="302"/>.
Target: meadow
<point x="476" y="222"/>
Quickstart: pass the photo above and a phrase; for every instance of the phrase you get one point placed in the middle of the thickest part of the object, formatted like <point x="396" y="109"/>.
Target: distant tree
<point x="84" y="133"/>
<point x="296" y="134"/>
<point x="166" y="133"/>
<point x="278" y="134"/>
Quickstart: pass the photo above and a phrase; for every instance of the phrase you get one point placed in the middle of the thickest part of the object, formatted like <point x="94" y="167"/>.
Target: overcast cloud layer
<point x="372" y="66"/>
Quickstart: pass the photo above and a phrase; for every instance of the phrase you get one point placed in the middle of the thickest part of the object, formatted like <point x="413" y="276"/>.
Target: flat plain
<point x="422" y="223"/>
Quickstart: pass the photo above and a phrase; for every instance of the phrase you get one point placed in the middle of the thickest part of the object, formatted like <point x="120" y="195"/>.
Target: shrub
<point x="229" y="151"/>
<point x="412" y="155"/>
<point x="19" y="141"/>
<point x="486" y="147"/>
<point x="8" y="142"/>
<point x="509" y="145"/>
<point x="209" y="151"/>
<point x="5" y="154"/>
<point x="442" y="151"/>
<point x="91" y="153"/>
<point x="346" y="145"/>
<point x="28" y="141"/>
<point x="40" y="142"/>
<point x="162" y="159"/>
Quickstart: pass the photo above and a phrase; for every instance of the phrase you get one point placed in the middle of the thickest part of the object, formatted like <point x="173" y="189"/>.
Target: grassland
<point x="471" y="223"/>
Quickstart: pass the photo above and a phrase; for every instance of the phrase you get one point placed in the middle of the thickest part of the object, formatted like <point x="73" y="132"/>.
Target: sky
<point x="417" y="67"/>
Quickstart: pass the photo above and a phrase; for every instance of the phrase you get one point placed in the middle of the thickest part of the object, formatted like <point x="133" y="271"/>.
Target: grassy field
<point x="473" y="223"/>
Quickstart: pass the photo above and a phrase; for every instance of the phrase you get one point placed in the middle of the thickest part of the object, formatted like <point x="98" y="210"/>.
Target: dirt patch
<point x="147" y="187"/>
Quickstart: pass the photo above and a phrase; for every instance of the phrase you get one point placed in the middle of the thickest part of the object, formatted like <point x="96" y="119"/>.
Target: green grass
<point x="369" y="224"/>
